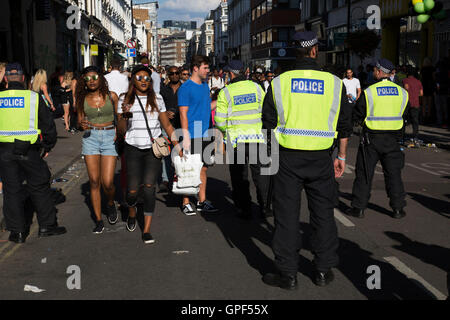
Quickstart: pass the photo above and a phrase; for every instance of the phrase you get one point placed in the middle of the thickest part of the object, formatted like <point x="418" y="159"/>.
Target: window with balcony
<point x="269" y="5"/>
<point x="258" y="11"/>
<point x="269" y="36"/>
<point x="263" y="8"/>
<point x="263" y="37"/>
<point x="253" y="14"/>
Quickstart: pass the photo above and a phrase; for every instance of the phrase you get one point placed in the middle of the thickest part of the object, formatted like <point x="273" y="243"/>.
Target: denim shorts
<point x="99" y="142"/>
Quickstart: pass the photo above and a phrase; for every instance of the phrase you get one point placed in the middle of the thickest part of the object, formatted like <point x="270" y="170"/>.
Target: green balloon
<point x="419" y="7"/>
<point x="422" y="18"/>
<point x="429" y="4"/>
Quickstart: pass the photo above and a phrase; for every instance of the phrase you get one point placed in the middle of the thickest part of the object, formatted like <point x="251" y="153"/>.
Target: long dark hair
<point x="151" y="95"/>
<point x="81" y="90"/>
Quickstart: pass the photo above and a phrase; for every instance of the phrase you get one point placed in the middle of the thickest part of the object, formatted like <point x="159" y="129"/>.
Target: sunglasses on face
<point x="145" y="78"/>
<point x="89" y="78"/>
<point x="185" y="74"/>
<point x="174" y="73"/>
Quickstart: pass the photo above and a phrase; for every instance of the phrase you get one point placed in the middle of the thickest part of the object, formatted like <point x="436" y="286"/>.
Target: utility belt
<point x="19" y="147"/>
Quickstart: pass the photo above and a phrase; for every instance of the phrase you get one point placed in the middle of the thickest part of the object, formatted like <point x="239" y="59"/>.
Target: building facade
<point x="173" y="50"/>
<point x="206" y="42"/>
<point x="239" y="18"/>
<point x="220" y="16"/>
<point x="193" y="46"/>
<point x="272" y="29"/>
<point x="180" y="25"/>
<point x="152" y="8"/>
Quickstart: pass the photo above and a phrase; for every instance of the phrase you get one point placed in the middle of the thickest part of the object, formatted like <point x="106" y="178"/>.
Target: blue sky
<point x="183" y="9"/>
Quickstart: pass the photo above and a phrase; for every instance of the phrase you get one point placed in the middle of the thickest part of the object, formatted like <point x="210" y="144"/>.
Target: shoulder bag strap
<point x="145" y="117"/>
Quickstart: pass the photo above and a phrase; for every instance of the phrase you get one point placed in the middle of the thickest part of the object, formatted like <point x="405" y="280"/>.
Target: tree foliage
<point x="363" y="42"/>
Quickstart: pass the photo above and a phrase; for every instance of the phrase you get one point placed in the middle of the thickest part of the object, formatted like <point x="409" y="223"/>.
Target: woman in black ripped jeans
<point x="143" y="168"/>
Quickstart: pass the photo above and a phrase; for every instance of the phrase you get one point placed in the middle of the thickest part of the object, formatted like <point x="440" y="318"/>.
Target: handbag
<point x="161" y="145"/>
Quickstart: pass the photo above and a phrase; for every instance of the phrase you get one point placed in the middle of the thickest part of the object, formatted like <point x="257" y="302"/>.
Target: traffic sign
<point x="131" y="44"/>
<point x="131" y="53"/>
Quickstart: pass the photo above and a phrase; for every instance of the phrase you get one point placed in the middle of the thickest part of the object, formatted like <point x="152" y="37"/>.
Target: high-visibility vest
<point x="238" y="112"/>
<point x="308" y="104"/>
<point x="386" y="103"/>
<point x="19" y="116"/>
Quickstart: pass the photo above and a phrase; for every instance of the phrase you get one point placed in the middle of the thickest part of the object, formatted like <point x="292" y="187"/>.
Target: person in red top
<point x="415" y="90"/>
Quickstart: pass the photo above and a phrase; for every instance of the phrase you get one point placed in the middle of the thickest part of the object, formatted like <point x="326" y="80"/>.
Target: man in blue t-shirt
<point x="195" y="107"/>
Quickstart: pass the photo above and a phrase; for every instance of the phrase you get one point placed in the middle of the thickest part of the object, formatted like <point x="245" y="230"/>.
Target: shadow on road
<point x="429" y="253"/>
<point x="439" y="206"/>
<point x="342" y="206"/>
<point x="238" y="233"/>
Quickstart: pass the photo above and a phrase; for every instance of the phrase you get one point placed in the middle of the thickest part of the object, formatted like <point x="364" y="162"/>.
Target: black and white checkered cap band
<point x="310" y="43"/>
<point x="235" y="71"/>
<point x="383" y="68"/>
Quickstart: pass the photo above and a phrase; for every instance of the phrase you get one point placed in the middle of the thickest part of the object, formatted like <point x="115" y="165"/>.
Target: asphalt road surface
<point x="219" y="256"/>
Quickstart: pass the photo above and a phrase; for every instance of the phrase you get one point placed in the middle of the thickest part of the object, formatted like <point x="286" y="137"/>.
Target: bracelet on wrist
<point x="342" y="159"/>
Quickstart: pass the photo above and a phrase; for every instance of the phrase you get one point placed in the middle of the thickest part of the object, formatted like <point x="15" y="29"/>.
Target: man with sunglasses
<point x="169" y="94"/>
<point x="24" y="118"/>
<point x="185" y="74"/>
<point x="269" y="78"/>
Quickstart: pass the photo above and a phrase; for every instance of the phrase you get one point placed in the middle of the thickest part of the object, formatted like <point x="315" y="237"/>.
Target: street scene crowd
<point x="120" y="114"/>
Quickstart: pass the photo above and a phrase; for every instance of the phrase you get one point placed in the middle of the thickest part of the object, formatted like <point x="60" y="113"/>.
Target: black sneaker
<point x="113" y="217"/>
<point x="131" y="224"/>
<point x="99" y="227"/>
<point x="147" y="238"/>
<point x="206" y="207"/>
<point x="189" y="210"/>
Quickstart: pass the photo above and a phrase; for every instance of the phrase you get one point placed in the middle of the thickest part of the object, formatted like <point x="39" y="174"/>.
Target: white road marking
<point x="410" y="274"/>
<point x="340" y="217"/>
<point x="424" y="170"/>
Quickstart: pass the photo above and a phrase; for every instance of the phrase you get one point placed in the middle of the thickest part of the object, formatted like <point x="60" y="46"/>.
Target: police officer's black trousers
<point x="247" y="155"/>
<point x="314" y="172"/>
<point x="383" y="148"/>
<point x="34" y="170"/>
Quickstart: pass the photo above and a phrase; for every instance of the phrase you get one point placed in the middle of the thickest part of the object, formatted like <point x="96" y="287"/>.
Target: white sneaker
<point x="188" y="210"/>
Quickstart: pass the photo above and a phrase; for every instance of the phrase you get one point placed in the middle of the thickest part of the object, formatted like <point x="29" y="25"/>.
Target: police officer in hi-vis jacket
<point x="26" y="127"/>
<point x="380" y="109"/>
<point x="308" y="109"/>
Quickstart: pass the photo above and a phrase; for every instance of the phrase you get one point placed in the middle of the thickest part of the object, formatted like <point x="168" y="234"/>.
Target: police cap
<point x="13" y="66"/>
<point x="385" y="65"/>
<point x="305" y="39"/>
<point x="235" y="66"/>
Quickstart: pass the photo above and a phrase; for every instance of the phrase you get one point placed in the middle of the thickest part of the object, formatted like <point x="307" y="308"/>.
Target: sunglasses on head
<point x="89" y="78"/>
<point x="145" y="78"/>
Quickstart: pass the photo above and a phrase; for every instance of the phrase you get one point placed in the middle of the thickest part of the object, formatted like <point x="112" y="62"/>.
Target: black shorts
<point x="206" y="148"/>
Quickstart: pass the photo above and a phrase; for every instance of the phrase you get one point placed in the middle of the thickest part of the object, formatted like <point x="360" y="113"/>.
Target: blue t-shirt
<point x="196" y="97"/>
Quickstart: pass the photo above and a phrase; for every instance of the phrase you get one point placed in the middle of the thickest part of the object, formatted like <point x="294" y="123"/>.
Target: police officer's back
<point x="238" y="115"/>
<point x="307" y="108"/>
<point x="24" y="118"/>
<point x="380" y="110"/>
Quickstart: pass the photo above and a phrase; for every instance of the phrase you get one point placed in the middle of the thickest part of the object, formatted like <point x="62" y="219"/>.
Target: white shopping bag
<point x="187" y="169"/>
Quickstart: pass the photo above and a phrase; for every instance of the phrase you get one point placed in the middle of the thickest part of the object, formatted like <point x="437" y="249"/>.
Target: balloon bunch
<point x="428" y="8"/>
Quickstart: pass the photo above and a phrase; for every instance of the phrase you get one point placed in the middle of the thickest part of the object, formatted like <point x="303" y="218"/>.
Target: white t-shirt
<point x="156" y="78"/>
<point x="117" y="82"/>
<point x="218" y="83"/>
<point x="352" y="86"/>
<point x="137" y="133"/>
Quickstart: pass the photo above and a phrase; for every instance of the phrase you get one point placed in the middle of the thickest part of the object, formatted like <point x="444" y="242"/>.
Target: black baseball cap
<point x="14" y="66"/>
<point x="141" y="67"/>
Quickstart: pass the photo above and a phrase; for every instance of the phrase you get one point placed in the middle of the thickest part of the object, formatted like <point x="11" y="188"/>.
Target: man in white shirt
<point x="117" y="82"/>
<point x="353" y="86"/>
<point x="216" y="82"/>
<point x="156" y="78"/>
